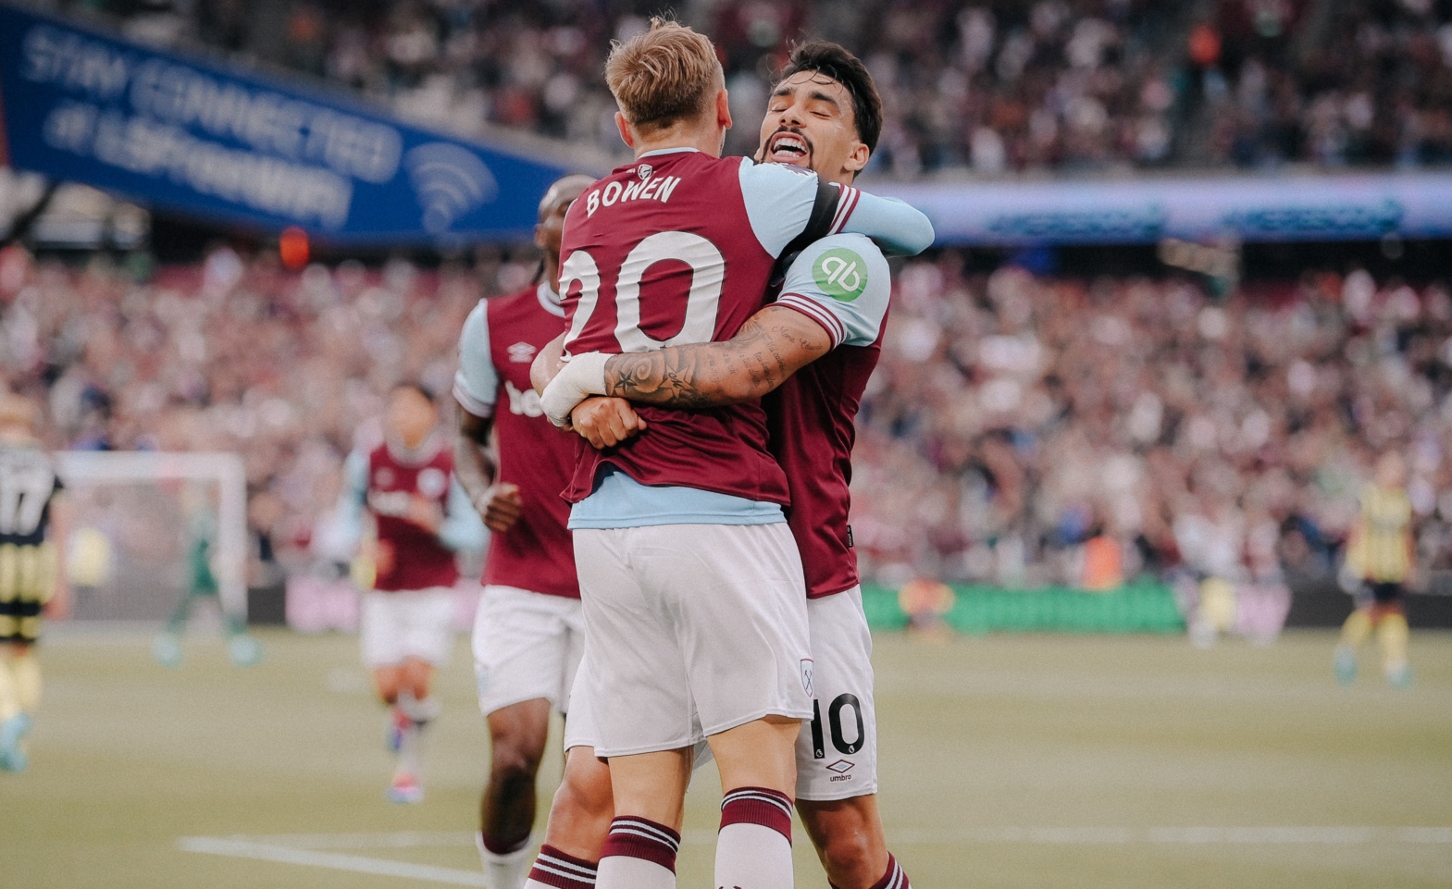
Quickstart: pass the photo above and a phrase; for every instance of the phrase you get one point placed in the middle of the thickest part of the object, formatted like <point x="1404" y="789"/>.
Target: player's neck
<point x="407" y="451"/>
<point x="705" y="139"/>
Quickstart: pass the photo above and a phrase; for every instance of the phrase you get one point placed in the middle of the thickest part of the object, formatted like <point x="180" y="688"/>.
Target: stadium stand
<point x="992" y="87"/>
<point x="1226" y="435"/>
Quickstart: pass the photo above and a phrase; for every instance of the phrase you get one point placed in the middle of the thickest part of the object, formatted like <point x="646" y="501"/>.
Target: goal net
<point x="148" y="529"/>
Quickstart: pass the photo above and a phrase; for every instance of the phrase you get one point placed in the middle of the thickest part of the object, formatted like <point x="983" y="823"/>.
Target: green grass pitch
<point x="1008" y="761"/>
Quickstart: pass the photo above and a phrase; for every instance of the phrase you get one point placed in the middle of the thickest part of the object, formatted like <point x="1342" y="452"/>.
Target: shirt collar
<point x="660" y="151"/>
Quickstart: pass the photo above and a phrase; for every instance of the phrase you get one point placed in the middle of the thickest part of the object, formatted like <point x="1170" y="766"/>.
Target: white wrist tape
<point x="582" y="376"/>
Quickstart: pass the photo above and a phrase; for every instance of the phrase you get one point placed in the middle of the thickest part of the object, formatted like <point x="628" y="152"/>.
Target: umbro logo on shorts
<point x="807" y="677"/>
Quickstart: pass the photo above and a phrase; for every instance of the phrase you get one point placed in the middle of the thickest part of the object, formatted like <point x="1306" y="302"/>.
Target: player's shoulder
<point x="525" y="296"/>
<point x="857" y="243"/>
<point x="510" y="309"/>
<point x="475" y="323"/>
<point x="780" y="175"/>
<point x="843" y="264"/>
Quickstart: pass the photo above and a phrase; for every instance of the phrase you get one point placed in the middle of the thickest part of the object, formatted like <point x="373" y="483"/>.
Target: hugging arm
<point x="772" y="345"/>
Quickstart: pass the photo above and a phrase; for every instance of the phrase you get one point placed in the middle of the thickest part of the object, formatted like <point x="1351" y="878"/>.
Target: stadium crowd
<point x="1226" y="435"/>
<point x="992" y="87"/>
<point x="1013" y="418"/>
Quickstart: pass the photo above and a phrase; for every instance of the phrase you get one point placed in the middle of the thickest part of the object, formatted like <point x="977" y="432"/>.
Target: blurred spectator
<point x="990" y="86"/>
<point x="1013" y="419"/>
<point x="236" y="355"/>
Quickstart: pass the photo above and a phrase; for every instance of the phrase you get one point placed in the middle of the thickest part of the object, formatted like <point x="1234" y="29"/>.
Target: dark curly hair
<point x="832" y="60"/>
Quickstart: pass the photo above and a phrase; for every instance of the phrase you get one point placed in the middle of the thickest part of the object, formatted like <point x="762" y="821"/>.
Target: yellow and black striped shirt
<point x="1381" y="551"/>
<point x="28" y="484"/>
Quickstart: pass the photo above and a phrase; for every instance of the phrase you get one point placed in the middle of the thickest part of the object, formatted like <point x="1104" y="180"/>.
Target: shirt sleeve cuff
<point x="483" y="409"/>
<point x="845" y="206"/>
<point x="814" y="310"/>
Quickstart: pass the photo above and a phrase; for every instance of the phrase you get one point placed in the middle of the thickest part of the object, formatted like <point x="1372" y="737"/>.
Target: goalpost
<point x="107" y="476"/>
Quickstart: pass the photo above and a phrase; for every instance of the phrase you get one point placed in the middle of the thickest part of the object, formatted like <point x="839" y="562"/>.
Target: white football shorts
<point x="837" y="747"/>
<point x="581" y="730"/>
<point x="527" y="645"/>
<point x="691" y="630"/>
<point x="419" y="624"/>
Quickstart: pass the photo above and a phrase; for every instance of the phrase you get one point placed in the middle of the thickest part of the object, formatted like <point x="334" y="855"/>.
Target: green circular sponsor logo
<point x="841" y="273"/>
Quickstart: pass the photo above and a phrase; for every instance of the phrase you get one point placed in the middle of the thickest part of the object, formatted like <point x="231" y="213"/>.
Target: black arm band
<point x="819" y="225"/>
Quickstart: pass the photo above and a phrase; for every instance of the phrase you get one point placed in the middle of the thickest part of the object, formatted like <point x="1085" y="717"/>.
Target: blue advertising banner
<point x="1344" y="207"/>
<point x="223" y="142"/>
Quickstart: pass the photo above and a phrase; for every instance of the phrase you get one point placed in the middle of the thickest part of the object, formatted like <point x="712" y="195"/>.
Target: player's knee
<point x="581" y="812"/>
<point x="514" y="764"/>
<point x="586" y="791"/>
<point x="848" y="837"/>
<point x="849" y="853"/>
<point x="387" y="691"/>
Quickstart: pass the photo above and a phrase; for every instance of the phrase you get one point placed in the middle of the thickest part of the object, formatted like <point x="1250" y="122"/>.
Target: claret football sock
<point x="894" y="878"/>
<point x="754" y="847"/>
<point x="638" y="854"/>
<point x="554" y="869"/>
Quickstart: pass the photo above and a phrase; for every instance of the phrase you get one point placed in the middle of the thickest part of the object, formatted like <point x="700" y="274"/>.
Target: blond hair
<point x="663" y="76"/>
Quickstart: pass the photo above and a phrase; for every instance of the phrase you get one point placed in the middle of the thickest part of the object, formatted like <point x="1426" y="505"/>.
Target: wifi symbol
<point x="450" y="181"/>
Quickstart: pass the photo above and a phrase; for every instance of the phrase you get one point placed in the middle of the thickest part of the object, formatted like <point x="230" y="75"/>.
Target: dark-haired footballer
<point x="813" y="349"/>
<point x="420" y="518"/>
<point x="529" y="630"/>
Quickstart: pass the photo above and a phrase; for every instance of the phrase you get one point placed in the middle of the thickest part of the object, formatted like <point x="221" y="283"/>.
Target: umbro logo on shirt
<point x="521" y="353"/>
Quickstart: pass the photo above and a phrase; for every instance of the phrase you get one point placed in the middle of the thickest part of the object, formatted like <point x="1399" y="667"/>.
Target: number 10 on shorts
<point x="834" y="724"/>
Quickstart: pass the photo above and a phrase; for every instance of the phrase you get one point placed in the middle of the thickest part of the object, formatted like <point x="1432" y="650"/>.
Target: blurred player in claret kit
<point x="691" y="582"/>
<point x="32" y="536"/>
<point x="421" y="518"/>
<point x="824" y="332"/>
<point x="529" y="630"/>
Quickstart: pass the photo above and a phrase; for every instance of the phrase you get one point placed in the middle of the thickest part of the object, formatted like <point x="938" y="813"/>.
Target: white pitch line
<point x="354" y="863"/>
<point x="303" y="849"/>
<point x="403" y="839"/>
<point x="1268" y="835"/>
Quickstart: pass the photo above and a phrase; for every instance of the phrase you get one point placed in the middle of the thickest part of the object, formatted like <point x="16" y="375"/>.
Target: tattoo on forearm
<point x="701" y="375"/>
<point x="669" y="376"/>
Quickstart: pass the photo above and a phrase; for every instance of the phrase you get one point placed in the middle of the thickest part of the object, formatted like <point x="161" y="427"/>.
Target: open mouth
<point x="787" y="148"/>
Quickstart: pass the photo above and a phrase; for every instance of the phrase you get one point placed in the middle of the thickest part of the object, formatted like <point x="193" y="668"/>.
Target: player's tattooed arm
<point x="771" y="346"/>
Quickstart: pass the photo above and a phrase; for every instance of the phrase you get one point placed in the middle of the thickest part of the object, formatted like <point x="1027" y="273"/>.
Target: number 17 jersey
<point x="678" y="247"/>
